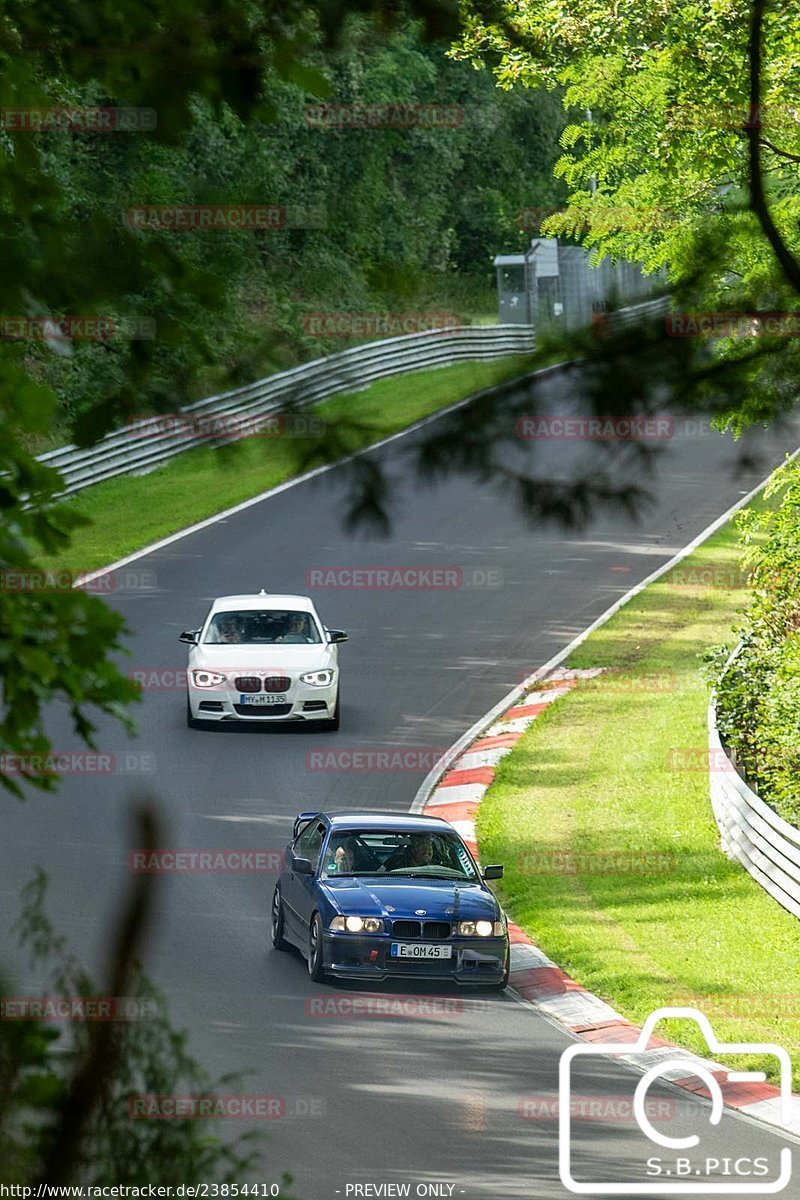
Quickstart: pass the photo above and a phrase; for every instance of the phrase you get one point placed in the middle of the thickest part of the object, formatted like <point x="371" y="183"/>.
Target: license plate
<point x="262" y="698"/>
<point x="420" y="950"/>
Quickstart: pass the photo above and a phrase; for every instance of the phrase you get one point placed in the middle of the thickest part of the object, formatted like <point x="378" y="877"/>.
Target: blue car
<point x="369" y="895"/>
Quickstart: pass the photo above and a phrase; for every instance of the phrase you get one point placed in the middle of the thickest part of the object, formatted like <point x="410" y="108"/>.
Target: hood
<point x="371" y="897"/>
<point x="289" y="658"/>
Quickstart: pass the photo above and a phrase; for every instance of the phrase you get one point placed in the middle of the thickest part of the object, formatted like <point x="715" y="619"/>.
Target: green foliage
<point x="758" y="693"/>
<point x="38" y="1060"/>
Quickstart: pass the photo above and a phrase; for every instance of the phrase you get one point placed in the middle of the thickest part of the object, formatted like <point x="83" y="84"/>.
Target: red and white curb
<point x="454" y="791"/>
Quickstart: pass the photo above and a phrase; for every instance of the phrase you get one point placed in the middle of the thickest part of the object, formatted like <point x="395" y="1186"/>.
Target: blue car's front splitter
<point x="350" y="956"/>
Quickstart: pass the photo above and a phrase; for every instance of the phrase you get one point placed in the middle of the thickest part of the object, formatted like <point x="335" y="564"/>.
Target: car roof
<point x="372" y="819"/>
<point x="262" y="600"/>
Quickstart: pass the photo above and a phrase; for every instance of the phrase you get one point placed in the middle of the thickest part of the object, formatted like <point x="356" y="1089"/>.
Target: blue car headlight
<point x="481" y="929"/>
<point x="356" y="925"/>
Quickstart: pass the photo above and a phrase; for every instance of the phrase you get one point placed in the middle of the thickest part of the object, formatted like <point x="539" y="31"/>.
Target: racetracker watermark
<point x="547" y="1107"/>
<point x="734" y="116"/>
<point x="598" y="218"/>
<point x="745" y="324"/>
<point x="607" y="428"/>
<point x="700" y="758"/>
<point x="378" y="1005"/>
<point x="369" y="758"/>
<point x="714" y="576"/>
<point x="764" y="1006"/>
<point x="375" y="324"/>
<point x="601" y="862"/>
<point x="35" y="764"/>
<point x="204" y="862"/>
<point x="610" y="679"/>
<point x="182" y="217"/>
<point x="399" y="578"/>
<point x="128" y="580"/>
<point x="252" y="1106"/>
<point x="77" y="1008"/>
<point x="77" y="120"/>
<point x="384" y="116"/>
<point x="190" y="426"/>
<point x="95" y="328"/>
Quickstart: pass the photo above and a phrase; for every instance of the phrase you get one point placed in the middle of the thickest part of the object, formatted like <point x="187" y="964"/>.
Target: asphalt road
<point x="417" y="1098"/>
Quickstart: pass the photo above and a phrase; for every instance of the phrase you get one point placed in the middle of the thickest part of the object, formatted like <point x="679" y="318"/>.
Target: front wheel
<point x="315" y="968"/>
<point x="276" y="923"/>
<point x="503" y="984"/>
<point x="191" y="721"/>
<point x="334" y="721"/>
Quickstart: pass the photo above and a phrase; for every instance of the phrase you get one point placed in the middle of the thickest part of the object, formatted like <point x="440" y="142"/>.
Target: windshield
<point x="267" y="627"/>
<point x="397" y="853"/>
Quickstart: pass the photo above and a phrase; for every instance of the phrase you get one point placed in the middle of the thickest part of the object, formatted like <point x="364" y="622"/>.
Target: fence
<point x="750" y="831"/>
<point x="141" y="446"/>
<point x="145" y="444"/>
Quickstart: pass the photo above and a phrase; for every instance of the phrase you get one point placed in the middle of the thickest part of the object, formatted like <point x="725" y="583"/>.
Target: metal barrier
<point x="750" y="831"/>
<point x="144" y="444"/>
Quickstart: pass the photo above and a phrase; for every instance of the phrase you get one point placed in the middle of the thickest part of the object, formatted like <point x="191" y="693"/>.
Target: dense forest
<point x="397" y="215"/>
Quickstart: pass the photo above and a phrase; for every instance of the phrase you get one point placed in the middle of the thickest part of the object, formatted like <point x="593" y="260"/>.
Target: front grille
<point x="277" y="683"/>
<point x="267" y="710"/>
<point x="406" y="929"/>
<point x="436" y="929"/>
<point x="247" y="683"/>
<point x="415" y="929"/>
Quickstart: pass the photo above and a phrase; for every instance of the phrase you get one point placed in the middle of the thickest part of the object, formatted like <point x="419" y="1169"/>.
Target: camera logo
<point x="670" y="1172"/>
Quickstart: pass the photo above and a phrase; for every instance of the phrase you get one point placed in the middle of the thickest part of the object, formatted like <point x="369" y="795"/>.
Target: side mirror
<point x="190" y="635"/>
<point x="337" y="635"/>
<point x="302" y="866"/>
<point x="495" y="872"/>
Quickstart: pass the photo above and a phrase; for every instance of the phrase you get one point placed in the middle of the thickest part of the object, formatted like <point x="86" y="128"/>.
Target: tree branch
<point x="777" y="150"/>
<point x="758" y="201"/>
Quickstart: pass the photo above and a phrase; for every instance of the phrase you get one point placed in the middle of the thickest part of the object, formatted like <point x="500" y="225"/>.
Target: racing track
<point x="407" y="1099"/>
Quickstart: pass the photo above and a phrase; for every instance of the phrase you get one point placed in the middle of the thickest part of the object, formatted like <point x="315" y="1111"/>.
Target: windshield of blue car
<point x="397" y="854"/>
<point x="267" y="627"/>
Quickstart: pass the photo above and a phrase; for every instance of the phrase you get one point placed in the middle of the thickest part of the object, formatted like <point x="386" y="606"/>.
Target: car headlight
<point x="356" y="925"/>
<point x="318" y="678"/>
<point x="207" y="678"/>
<point x="481" y="928"/>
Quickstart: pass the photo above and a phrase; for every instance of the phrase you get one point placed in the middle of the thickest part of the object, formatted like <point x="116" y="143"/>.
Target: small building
<point x="551" y="285"/>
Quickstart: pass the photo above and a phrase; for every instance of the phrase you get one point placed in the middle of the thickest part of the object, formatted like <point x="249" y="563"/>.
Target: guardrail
<point x="750" y="831"/>
<point x="145" y="444"/>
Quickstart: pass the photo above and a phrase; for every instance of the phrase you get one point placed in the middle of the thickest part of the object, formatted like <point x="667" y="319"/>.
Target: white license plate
<point x="420" y="950"/>
<point x="262" y="698"/>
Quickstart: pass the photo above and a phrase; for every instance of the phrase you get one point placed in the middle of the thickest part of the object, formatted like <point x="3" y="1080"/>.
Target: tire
<point x="334" y="721"/>
<point x="276" y="923"/>
<point x="315" y="951"/>
<point x="503" y="984"/>
<point x="191" y="721"/>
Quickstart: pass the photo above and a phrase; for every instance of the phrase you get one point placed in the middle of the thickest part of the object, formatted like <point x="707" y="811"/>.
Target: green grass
<point x="131" y="512"/>
<point x="593" y="774"/>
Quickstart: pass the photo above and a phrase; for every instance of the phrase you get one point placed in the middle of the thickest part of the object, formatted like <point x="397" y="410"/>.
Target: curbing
<point x="454" y="791"/>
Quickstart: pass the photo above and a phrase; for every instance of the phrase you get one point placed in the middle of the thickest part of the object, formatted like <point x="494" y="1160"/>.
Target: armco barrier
<point x="143" y="445"/>
<point x="750" y="831"/>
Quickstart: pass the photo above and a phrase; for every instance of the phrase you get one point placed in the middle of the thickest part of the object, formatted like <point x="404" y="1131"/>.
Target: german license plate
<point x="262" y="698"/>
<point x="420" y="950"/>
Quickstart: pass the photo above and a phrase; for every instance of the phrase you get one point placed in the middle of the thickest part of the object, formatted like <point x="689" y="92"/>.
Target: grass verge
<point x="618" y="767"/>
<point x="131" y="512"/>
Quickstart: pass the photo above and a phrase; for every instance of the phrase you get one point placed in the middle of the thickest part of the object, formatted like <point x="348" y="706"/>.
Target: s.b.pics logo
<point x="687" y="1148"/>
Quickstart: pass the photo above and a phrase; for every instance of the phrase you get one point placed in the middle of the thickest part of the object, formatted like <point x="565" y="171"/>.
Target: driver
<point x="231" y="629"/>
<point x="418" y="852"/>
<point x="297" y="629"/>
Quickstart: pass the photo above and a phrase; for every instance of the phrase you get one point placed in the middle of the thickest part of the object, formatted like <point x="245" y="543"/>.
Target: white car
<point x="263" y="658"/>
